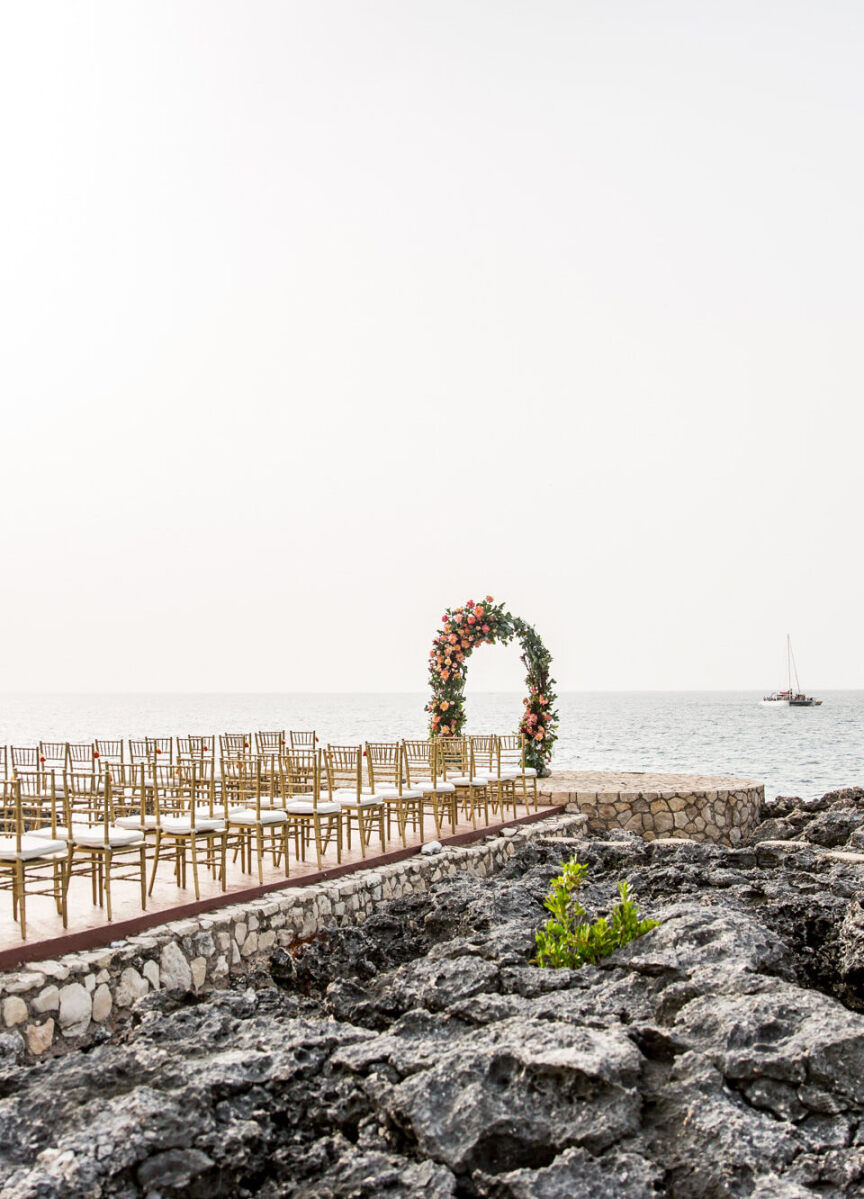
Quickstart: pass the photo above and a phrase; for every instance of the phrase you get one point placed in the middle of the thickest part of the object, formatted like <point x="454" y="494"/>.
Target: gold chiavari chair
<point x="303" y="739"/>
<point x="187" y="821"/>
<point x="387" y="780"/>
<point x="486" y="750"/>
<point x="99" y="848"/>
<point x="360" y="807"/>
<point x="249" y="811"/>
<point x="29" y="865"/>
<point x="309" y="815"/>
<point x="472" y="790"/>
<point x="512" y="757"/>
<point x="424" y="771"/>
<point x="110" y="751"/>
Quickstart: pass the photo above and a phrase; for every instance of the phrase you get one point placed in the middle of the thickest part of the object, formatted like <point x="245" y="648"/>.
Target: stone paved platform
<point x="706" y="807"/>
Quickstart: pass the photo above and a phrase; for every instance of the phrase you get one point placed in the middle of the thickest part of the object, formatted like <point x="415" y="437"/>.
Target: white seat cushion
<point x="388" y="796"/>
<point x="305" y="807"/>
<point x="113" y="837"/>
<point x="350" y="792"/>
<point x="529" y="772"/>
<point x="31" y="847"/>
<point x="428" y="787"/>
<point x="506" y="776"/>
<point x="182" y="825"/>
<point x="366" y="801"/>
<point x="51" y="834"/>
<point x="135" y="822"/>
<point x="465" y="781"/>
<point x="250" y="816"/>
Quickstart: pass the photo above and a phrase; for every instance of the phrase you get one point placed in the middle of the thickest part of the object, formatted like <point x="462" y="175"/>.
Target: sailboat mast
<point x="795" y="669"/>
<point x="789" y="659"/>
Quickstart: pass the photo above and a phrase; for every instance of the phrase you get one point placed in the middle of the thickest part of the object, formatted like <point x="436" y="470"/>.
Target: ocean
<point x="794" y="751"/>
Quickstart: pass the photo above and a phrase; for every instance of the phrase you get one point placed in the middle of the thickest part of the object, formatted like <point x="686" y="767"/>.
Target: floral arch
<point x="485" y="623"/>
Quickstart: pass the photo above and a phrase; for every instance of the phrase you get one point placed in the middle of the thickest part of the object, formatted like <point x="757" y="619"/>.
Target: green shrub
<point x="568" y="940"/>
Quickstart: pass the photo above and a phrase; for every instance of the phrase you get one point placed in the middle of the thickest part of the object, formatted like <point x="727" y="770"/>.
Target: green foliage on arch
<point x="487" y="623"/>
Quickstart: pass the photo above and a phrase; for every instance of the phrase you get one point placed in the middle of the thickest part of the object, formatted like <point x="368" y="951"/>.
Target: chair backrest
<point x="511" y="751"/>
<point x="24" y="757"/>
<point x="87" y="800"/>
<point x="184" y="790"/>
<point x="420" y="760"/>
<point x="299" y="769"/>
<point x="40" y="800"/>
<point x="235" y="745"/>
<point x="454" y="755"/>
<point x="246" y="784"/>
<point x="128" y="786"/>
<point x="484" y="751"/>
<point x="110" y="751"/>
<point x="81" y="756"/>
<point x="300" y="739"/>
<point x="270" y="742"/>
<point x="4" y="761"/>
<point x="196" y="748"/>
<point x="343" y="766"/>
<point x="384" y="764"/>
<point x="11" y="822"/>
<point x="53" y="755"/>
<point x="151" y="749"/>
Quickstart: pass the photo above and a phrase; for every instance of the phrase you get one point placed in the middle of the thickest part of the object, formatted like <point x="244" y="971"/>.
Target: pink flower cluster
<point x="536" y="718"/>
<point x="462" y="630"/>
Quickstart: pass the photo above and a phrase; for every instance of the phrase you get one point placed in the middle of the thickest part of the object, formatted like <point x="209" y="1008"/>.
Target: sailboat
<point x="796" y="698"/>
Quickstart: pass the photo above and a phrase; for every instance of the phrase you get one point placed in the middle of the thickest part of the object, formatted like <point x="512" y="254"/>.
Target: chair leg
<point x="359" y="831"/>
<point x="22" y="899"/>
<point x="193" y="850"/>
<point x="142" y="859"/>
<point x="107" y="857"/>
<point x="156" y="850"/>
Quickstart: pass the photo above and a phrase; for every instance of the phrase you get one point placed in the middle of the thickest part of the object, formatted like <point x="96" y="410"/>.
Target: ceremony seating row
<point x="159" y="805"/>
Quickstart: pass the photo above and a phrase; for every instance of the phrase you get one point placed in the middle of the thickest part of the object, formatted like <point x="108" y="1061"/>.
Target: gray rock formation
<point x="719" y="1057"/>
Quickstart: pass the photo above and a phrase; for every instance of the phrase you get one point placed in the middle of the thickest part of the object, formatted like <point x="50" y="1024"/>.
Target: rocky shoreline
<point x="420" y="1054"/>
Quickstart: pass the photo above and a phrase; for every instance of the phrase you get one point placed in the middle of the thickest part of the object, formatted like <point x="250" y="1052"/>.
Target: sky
<point x="316" y="319"/>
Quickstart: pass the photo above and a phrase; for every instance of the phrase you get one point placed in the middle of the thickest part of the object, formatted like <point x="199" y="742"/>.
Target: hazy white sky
<point x="316" y="318"/>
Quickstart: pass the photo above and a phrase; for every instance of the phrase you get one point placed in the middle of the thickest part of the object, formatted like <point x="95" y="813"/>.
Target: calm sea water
<point x="803" y="751"/>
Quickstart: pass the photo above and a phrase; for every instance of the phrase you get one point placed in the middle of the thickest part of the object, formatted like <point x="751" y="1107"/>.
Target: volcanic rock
<point x="720" y="1056"/>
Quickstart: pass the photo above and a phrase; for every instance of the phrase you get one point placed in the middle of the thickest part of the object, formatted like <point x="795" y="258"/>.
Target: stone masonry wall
<point x="47" y="1007"/>
<point x="726" y="817"/>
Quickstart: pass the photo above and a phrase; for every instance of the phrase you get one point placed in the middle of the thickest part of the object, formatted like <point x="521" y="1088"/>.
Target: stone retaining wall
<point x="698" y="807"/>
<point x="49" y="1006"/>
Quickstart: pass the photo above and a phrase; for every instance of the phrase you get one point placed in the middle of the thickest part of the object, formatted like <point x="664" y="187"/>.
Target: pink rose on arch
<point x="472" y="619"/>
<point x="485" y="628"/>
<point x="480" y="609"/>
